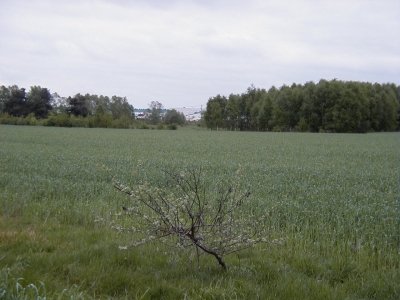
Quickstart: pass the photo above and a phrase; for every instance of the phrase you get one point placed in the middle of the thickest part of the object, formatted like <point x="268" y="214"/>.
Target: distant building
<point x="144" y="113"/>
<point x="141" y="113"/>
<point x="191" y="114"/>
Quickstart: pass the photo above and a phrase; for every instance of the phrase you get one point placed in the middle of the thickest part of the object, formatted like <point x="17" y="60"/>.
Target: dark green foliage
<point x="172" y="127"/>
<point x="215" y="115"/>
<point x="78" y="106"/>
<point x="155" y="112"/>
<point x="19" y="108"/>
<point x="174" y="117"/>
<point x="101" y="118"/>
<point x="38" y="101"/>
<point x="328" y="106"/>
<point x="120" y="107"/>
<point x="15" y="101"/>
<point x="4" y="97"/>
<point x="122" y="122"/>
<point x="13" y="120"/>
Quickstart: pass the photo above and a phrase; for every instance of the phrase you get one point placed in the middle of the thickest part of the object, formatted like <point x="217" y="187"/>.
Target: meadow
<point x="332" y="205"/>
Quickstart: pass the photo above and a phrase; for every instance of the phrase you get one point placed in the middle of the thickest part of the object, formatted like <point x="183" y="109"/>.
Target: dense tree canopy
<point x="155" y="108"/>
<point x="172" y="116"/>
<point x="15" y="101"/>
<point x="40" y="107"/>
<point x="38" y="101"/>
<point x="328" y="106"/>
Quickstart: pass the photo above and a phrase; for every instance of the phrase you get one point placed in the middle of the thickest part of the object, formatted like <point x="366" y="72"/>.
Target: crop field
<point x="331" y="203"/>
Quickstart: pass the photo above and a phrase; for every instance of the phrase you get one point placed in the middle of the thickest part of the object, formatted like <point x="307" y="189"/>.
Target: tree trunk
<point x="213" y="253"/>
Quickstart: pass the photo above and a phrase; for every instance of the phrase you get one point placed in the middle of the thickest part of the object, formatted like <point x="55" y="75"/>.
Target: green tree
<point x="120" y="107"/>
<point x="346" y="113"/>
<point x="215" y="114"/>
<point x="4" y="97"/>
<point x="309" y="116"/>
<point x="105" y="103"/>
<point x="287" y="107"/>
<point x="391" y="106"/>
<point x="232" y="112"/>
<point x="155" y="112"/>
<point x="327" y="93"/>
<point x="333" y="106"/>
<point x="39" y="101"/>
<point x="247" y="110"/>
<point x="59" y="104"/>
<point x="102" y="118"/>
<point x="78" y="105"/>
<point x="172" y="116"/>
<point x="383" y="107"/>
<point x="16" y="104"/>
<point x="265" y="114"/>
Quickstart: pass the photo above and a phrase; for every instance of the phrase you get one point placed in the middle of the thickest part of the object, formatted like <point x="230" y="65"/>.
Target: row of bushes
<point x="66" y="120"/>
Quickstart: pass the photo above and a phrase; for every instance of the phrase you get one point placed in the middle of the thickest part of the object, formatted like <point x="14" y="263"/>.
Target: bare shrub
<point x="211" y="220"/>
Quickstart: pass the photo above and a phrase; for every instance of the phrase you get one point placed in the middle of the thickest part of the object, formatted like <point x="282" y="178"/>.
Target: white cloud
<point x="182" y="52"/>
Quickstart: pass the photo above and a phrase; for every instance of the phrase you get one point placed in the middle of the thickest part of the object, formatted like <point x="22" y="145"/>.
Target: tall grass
<point x="332" y="202"/>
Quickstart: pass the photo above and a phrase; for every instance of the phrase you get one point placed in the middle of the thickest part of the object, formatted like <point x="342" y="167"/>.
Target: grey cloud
<point x="182" y="52"/>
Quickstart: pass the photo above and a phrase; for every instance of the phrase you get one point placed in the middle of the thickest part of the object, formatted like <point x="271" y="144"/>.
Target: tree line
<point x="326" y="106"/>
<point x="39" y="106"/>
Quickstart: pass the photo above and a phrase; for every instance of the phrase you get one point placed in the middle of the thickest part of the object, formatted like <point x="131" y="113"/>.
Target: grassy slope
<point x="332" y="198"/>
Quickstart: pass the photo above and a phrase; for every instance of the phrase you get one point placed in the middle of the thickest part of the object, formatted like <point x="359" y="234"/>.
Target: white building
<point x="191" y="113"/>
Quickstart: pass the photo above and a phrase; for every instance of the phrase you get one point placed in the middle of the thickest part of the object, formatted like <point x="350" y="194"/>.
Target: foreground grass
<point x="333" y="199"/>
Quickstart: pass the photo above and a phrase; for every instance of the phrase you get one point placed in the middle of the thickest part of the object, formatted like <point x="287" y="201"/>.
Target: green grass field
<point x="332" y="199"/>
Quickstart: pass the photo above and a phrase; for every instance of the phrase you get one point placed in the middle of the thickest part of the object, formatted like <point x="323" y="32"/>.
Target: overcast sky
<point x="183" y="52"/>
